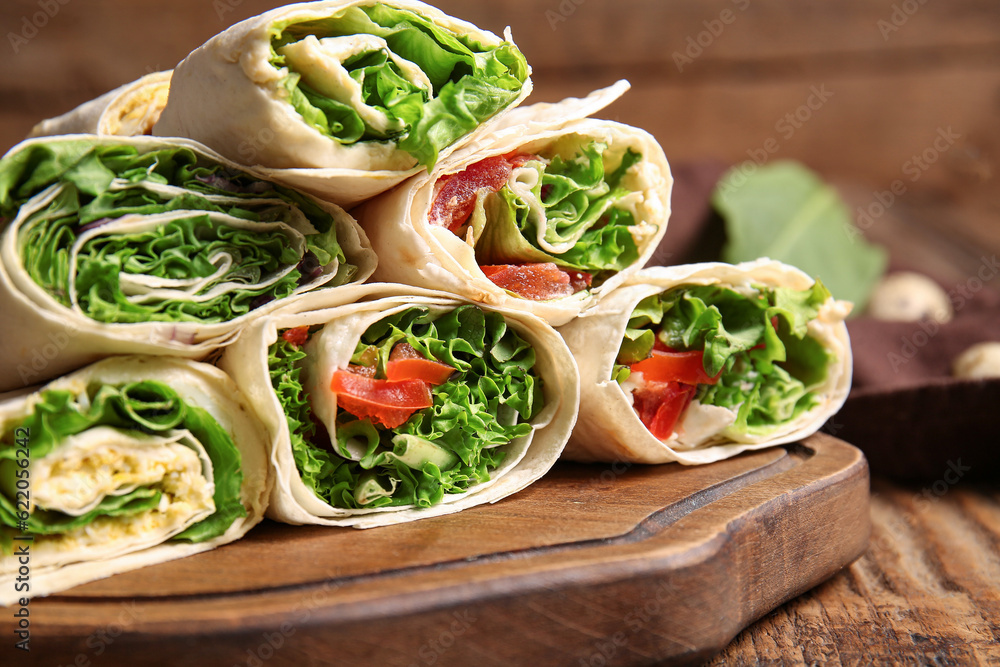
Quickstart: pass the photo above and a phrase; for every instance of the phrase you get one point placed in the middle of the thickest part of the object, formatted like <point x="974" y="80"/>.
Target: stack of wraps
<point x="441" y="387"/>
<point x="168" y="250"/>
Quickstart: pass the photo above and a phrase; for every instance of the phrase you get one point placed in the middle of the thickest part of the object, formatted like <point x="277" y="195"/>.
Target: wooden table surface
<point x="898" y="73"/>
<point x="926" y="592"/>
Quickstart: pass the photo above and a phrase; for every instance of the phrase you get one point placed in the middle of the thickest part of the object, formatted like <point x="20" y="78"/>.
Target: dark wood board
<point x="593" y="565"/>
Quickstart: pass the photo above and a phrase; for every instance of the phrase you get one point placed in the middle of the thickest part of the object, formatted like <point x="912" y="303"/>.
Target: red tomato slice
<point x="685" y="367"/>
<point x="404" y="351"/>
<point x="661" y="404"/>
<point x="298" y="336"/>
<point x="425" y="370"/>
<point x="405" y="363"/>
<point x="456" y="199"/>
<point x="381" y="401"/>
<point x="520" y="159"/>
<point x="367" y="371"/>
<point x="579" y="280"/>
<point x="537" y="282"/>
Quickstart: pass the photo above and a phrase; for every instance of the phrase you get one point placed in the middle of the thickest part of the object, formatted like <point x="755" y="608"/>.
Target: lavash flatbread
<point x="79" y="468"/>
<point x="346" y="314"/>
<point x="45" y="338"/>
<point x="609" y="428"/>
<point x="227" y="95"/>
<point x="127" y="111"/>
<point x="413" y="251"/>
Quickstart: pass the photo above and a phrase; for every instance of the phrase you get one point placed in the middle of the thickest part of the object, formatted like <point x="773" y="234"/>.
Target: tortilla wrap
<point x="133" y="309"/>
<point x="126" y="481"/>
<point x="127" y="111"/>
<point x="414" y="251"/>
<point x="610" y="429"/>
<point x="345" y="316"/>
<point x="243" y="95"/>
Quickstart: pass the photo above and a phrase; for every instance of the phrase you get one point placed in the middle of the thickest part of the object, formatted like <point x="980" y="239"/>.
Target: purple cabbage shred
<point x="94" y="225"/>
<point x="309" y="268"/>
<point x="260" y="301"/>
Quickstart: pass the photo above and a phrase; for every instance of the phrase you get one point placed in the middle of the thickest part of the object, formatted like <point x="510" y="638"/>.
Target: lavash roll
<point x="414" y="251"/>
<point x="232" y="95"/>
<point x="610" y="429"/>
<point x="345" y="315"/>
<point x="46" y="336"/>
<point x="127" y="111"/>
<point x="169" y="471"/>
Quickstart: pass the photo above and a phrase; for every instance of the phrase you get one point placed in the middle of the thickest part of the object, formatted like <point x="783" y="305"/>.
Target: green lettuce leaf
<point x="447" y="448"/>
<point x="767" y="373"/>
<point x="470" y="83"/>
<point x="579" y="200"/>
<point x="147" y="407"/>
<point x="786" y="212"/>
<point x="71" y="186"/>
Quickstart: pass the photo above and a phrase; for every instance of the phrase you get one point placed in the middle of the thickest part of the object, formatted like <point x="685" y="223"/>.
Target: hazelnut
<point x="909" y="297"/>
<point x="979" y="361"/>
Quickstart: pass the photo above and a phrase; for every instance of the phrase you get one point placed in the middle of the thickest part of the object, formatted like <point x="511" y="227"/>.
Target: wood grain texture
<point x="926" y="592"/>
<point x="626" y="564"/>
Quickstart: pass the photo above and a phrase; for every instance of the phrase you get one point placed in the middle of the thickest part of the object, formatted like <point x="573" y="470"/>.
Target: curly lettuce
<point x="445" y="449"/>
<point x="125" y="236"/>
<point x="574" y="216"/>
<point x="396" y="76"/>
<point x="757" y="339"/>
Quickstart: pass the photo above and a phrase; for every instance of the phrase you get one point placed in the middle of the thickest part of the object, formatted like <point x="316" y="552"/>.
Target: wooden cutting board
<point x="593" y="565"/>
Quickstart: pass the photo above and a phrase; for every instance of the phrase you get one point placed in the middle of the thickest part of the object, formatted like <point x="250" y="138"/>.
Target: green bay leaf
<point x="786" y="212"/>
